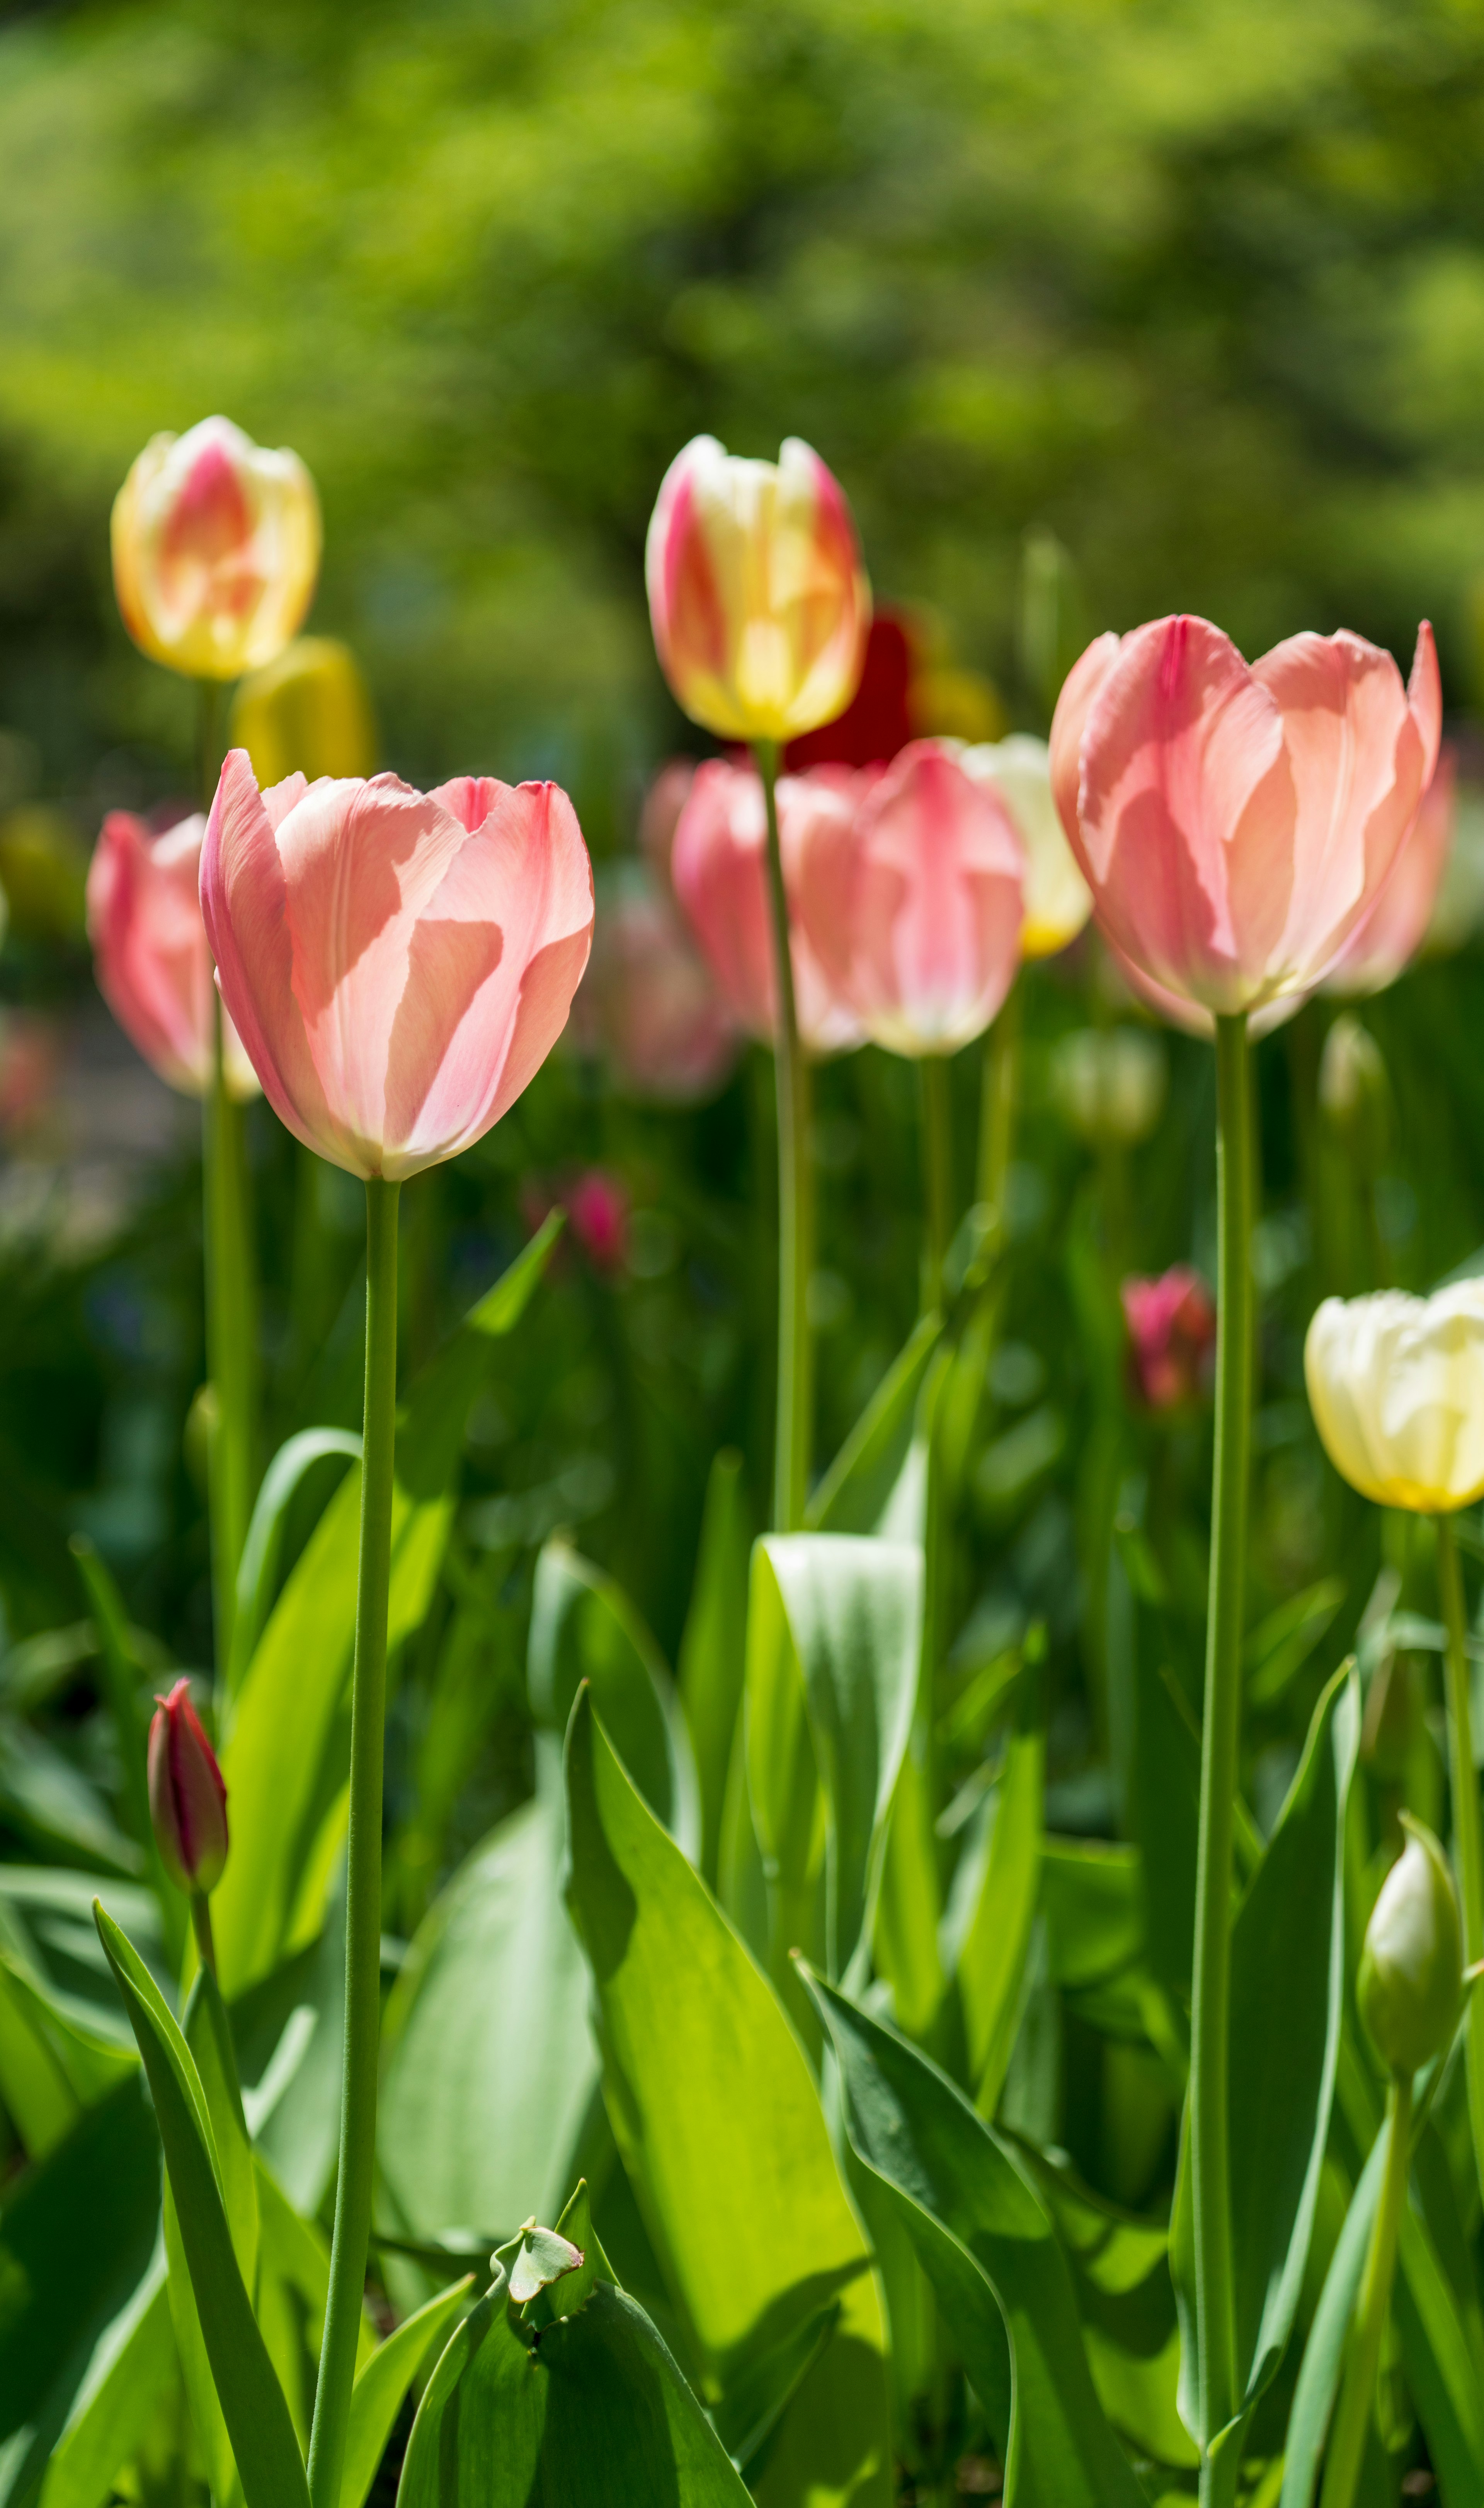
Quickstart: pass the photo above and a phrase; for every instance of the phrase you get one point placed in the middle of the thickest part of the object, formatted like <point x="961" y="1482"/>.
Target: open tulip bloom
<point x="215" y="550"/>
<point x="150" y="953"/>
<point x="1385" y="944"/>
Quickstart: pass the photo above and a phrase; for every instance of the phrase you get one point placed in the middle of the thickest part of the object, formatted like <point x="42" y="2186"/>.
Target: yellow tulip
<point x="215" y="550"/>
<point x="308" y="713"/>
<point x="1396" y="1388"/>
<point x="1058" y="898"/>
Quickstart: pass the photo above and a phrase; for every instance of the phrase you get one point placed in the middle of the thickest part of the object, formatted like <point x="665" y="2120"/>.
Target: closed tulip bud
<point x="398" y="964"/>
<point x="1110" y="1083"/>
<point x="757" y="595"/>
<point x="188" y="1800"/>
<point x="150" y="953"/>
<point x="1411" y="1976"/>
<point x="720" y="872"/>
<point x="1396" y="1388"/>
<point x="308" y="712"/>
<point x="215" y="550"/>
<point x="911" y="902"/>
<point x="1172" y="1326"/>
<point x="1354" y="1093"/>
<point x="1058" y="898"/>
<point x="1236" y="824"/>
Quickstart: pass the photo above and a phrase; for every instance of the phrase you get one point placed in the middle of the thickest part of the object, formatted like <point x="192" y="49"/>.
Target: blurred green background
<point x="1199" y="289"/>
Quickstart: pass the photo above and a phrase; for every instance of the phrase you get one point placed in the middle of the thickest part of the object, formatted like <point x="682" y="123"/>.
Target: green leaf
<point x="853" y="1607"/>
<point x="987" y="2243"/>
<point x="289" y="2033"/>
<point x="293" y="2283"/>
<point x="377" y="2396"/>
<point x="252" y="2401"/>
<point x="92" y="2062"/>
<point x="121" y="1679"/>
<point x="208" y="2036"/>
<point x="286" y="1757"/>
<point x="854" y="1492"/>
<point x="258" y="1569"/>
<point x="583" y="1627"/>
<point x="490" y="2069"/>
<point x="783" y="1789"/>
<point x="1093" y="1905"/>
<point x="77" y="2235"/>
<point x="129" y="2371"/>
<point x="50" y="1802"/>
<point x="992" y="1964"/>
<point x="1287" y="1976"/>
<point x="723" y="2138"/>
<point x="909" y="1909"/>
<point x="1324" y="2360"/>
<point x="591" y="2409"/>
<point x="1279" y="1648"/>
<point x="713" y="1653"/>
<point x="1164" y="1793"/>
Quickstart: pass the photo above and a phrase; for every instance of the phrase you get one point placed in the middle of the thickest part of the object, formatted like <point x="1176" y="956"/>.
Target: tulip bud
<point x="757" y="595"/>
<point x="1110" y="1083"/>
<point x="1396" y="1388"/>
<point x="215" y="550"/>
<point x="188" y="1800"/>
<point x="1354" y="1093"/>
<point x="1411" y="1969"/>
<point x="1172" y="1326"/>
<point x="306" y="713"/>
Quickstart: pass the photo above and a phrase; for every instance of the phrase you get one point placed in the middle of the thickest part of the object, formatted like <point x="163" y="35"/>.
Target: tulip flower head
<point x="215" y="550"/>
<point x="757" y="595"/>
<point x="650" y="1005"/>
<point x="1110" y="1083"/>
<point x="150" y="956"/>
<point x="1058" y="898"/>
<point x="1396" y="1388"/>
<point x="308" y="712"/>
<point x="1172" y="1326"/>
<point x="398" y="963"/>
<point x="188" y="1800"/>
<point x="719" y="866"/>
<point x="1236" y="826"/>
<point x="910" y="899"/>
<point x="1411" y="1980"/>
<point x="878" y="720"/>
<point x="1386" y="943"/>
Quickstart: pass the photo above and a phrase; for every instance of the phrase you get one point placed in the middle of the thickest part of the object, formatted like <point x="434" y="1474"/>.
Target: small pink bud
<point x="1172" y="1334"/>
<point x="188" y="1800"/>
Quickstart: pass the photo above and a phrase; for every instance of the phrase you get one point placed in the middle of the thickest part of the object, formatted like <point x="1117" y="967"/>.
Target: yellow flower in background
<point x="308" y="712"/>
<point x="1058" y="898"/>
<point x="1396" y="1388"/>
<point x="215" y="550"/>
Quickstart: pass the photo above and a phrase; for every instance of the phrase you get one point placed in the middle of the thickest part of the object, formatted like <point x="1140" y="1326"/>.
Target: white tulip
<point x="1396" y="1388"/>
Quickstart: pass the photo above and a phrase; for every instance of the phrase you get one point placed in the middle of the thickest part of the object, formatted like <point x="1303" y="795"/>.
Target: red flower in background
<point x="1172" y="1326"/>
<point x="878" y="720"/>
<point x="596" y="1206"/>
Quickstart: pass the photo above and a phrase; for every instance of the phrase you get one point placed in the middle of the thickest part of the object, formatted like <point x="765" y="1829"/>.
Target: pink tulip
<point x="912" y="901"/>
<point x="188" y="1800"/>
<point x="398" y="964"/>
<point x="150" y="951"/>
<point x="1388" y="939"/>
<point x="719" y="866"/>
<point x="1172" y="1326"/>
<point x="651" y="1007"/>
<point x="757" y="595"/>
<point x="1237" y="825"/>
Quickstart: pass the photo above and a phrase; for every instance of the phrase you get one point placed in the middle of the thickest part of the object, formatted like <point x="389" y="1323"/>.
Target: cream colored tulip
<point x="215" y="550"/>
<point x="1396" y="1388"/>
<point x="1058" y="899"/>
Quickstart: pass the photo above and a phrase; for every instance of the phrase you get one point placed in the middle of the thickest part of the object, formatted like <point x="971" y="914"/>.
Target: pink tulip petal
<point x="469" y="799"/>
<point x="1067" y="725"/>
<point x="245" y="901"/>
<point x="1425" y="698"/>
<point x="1186" y="812"/>
<point x="1384" y="943"/>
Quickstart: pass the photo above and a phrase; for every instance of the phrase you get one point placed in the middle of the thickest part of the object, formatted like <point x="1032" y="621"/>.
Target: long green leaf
<point x="1319" y="2377"/>
<point x="377" y="2396"/>
<point x="988" y="2245"/>
<point x="583" y="1627"/>
<point x="252" y="2401"/>
<point x="723" y="2138"/>
<point x="855" y="1492"/>
<point x="286" y="1757"/>
<point x="712" y="1659"/>
<point x="129" y="2371"/>
<point x="207" y="2035"/>
<point x="992" y="1964"/>
<point x="1287" y="1978"/>
<point x="854" y="1612"/>
<point x="259" y="1564"/>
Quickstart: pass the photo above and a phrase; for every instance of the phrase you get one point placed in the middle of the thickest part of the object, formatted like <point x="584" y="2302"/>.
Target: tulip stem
<point x="793" y="1433"/>
<point x="999" y="1099"/>
<point x="230" y="1341"/>
<point x="362" y="1910"/>
<point x="201" y="1926"/>
<point x="1209" y="2179"/>
<point x="935" y="1076"/>
<point x="1468" y="1838"/>
<point x="1347" y="2442"/>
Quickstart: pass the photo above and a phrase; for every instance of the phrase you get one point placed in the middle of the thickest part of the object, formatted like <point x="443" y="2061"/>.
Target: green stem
<point x="999" y="1097"/>
<point x="793" y="1433"/>
<point x="935" y="1076"/>
<point x="201" y="1926"/>
<point x="362" y="1912"/>
<point x="1347" y="2444"/>
<point x="1468" y="1840"/>
<point x="1210" y="2186"/>
<point x="230" y="1341"/>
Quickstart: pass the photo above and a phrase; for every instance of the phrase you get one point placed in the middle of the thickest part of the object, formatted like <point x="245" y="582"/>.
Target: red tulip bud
<point x="188" y="1800"/>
